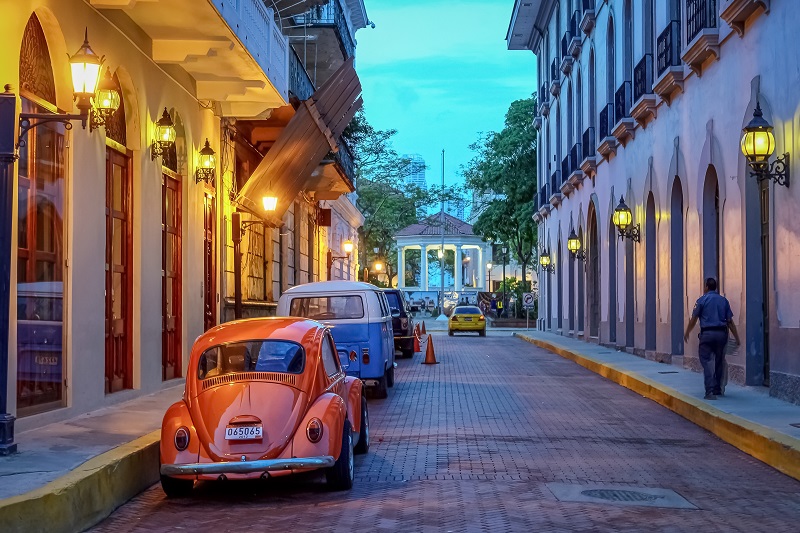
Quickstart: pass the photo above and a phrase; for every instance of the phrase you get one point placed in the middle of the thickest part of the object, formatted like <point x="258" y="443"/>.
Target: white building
<point x="416" y="171"/>
<point x="646" y="100"/>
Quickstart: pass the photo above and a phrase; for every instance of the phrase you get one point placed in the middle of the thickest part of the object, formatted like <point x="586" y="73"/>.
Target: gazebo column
<point x="424" y="267"/>
<point x="401" y="267"/>
<point x="459" y="268"/>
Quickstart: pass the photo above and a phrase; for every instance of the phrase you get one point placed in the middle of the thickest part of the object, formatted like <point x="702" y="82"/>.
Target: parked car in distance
<point x="402" y="325"/>
<point x="264" y="397"/>
<point x="466" y="318"/>
<point x="361" y="323"/>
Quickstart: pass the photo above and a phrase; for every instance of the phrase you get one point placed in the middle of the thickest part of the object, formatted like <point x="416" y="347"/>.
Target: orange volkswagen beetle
<point x="264" y="397"/>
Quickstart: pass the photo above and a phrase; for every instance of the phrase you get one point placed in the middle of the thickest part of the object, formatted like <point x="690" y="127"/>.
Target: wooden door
<point x="170" y="277"/>
<point x="118" y="301"/>
<point x="209" y="266"/>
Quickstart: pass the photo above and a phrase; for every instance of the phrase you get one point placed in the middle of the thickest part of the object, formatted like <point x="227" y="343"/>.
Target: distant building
<point x="455" y="208"/>
<point x="416" y="171"/>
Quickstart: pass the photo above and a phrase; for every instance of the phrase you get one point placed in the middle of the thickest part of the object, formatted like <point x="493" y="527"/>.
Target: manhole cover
<point x="616" y="495"/>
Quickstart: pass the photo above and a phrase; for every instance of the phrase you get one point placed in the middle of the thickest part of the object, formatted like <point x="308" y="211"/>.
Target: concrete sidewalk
<point x="745" y="417"/>
<point x="69" y="475"/>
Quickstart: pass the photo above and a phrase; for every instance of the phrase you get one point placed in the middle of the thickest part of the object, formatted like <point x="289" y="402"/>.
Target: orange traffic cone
<point x="430" y="357"/>
<point x="422" y="331"/>
<point x="416" y="339"/>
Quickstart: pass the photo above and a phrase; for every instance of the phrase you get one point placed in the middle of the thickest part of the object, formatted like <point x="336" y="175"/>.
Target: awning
<point x="310" y="134"/>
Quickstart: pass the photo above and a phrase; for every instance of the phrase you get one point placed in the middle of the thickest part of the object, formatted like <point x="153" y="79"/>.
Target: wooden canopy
<point x="310" y="134"/>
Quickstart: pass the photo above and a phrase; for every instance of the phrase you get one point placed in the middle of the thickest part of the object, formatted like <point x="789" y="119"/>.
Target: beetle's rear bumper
<point x="248" y="467"/>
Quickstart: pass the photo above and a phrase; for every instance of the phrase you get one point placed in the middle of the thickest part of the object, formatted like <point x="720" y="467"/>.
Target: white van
<point x="361" y="323"/>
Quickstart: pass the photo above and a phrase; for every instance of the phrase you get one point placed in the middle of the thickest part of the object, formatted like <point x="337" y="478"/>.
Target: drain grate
<point x="616" y="495"/>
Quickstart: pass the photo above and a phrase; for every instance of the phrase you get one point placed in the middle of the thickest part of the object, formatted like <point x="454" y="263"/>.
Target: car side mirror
<point x="395" y="313"/>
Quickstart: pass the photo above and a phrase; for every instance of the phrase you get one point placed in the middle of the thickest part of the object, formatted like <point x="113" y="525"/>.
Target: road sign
<point x="528" y="299"/>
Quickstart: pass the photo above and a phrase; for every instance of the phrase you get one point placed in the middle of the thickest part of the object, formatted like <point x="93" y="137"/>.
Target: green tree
<point x="504" y="171"/>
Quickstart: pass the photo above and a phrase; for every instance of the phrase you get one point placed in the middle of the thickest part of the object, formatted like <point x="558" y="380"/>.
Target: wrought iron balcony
<point x="588" y="144"/>
<point x="702" y="34"/>
<point x="299" y="82"/>
<point x="606" y="121"/>
<point x="700" y="15"/>
<point x="668" y="62"/>
<point x="329" y="15"/>
<point x="643" y="77"/>
<point x="555" y="74"/>
<point x="565" y="43"/>
<point x="566" y="58"/>
<point x="624" y="125"/>
<point x="587" y="17"/>
<point x="574" y="45"/>
<point x="555" y="188"/>
<point x="344" y="160"/>
<point x="544" y="100"/>
<point x="575" y="156"/>
<point x="565" y="168"/>
<point x="543" y="196"/>
<point x="669" y="47"/>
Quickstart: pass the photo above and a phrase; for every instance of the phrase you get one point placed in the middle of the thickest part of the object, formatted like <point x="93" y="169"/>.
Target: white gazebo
<point x="471" y="253"/>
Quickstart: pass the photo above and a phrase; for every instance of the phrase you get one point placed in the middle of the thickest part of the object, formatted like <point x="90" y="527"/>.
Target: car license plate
<point x="243" y="432"/>
<point x="468" y="319"/>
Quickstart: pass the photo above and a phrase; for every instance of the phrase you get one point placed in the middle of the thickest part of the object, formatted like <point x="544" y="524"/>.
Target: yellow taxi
<point x="466" y="318"/>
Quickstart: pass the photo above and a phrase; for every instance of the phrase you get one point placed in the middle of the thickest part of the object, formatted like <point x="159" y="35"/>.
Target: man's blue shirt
<point x="713" y="310"/>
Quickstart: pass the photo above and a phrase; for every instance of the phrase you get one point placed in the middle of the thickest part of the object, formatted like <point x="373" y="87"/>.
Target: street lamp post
<point x="489" y="275"/>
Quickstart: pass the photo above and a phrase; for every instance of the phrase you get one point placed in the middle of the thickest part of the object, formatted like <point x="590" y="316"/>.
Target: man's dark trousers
<point x="712" y="357"/>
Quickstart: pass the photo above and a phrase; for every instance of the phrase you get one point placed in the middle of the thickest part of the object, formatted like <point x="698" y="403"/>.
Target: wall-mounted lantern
<point x="165" y="135"/>
<point x="758" y="144"/>
<point x="623" y="220"/>
<point x="206" y="165"/>
<point x="105" y="102"/>
<point x="545" y="262"/>
<point x="574" y="246"/>
<point x="270" y="202"/>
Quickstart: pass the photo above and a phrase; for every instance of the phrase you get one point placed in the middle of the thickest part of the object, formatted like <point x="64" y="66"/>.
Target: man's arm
<point x="690" y="327"/>
<point x="732" y="327"/>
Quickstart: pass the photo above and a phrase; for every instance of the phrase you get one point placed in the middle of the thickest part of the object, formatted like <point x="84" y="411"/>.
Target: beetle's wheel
<point x="363" y="438"/>
<point x="340" y="475"/>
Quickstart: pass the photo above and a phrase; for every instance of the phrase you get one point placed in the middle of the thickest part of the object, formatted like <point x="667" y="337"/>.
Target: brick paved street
<point x="481" y="441"/>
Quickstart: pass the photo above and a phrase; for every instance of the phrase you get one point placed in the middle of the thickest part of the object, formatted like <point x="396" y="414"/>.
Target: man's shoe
<point x="710" y="397"/>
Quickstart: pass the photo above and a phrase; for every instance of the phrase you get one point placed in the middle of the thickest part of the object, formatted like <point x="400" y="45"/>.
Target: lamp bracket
<point x="580" y="255"/>
<point x="98" y="118"/>
<point x="29" y="121"/>
<point x="201" y="174"/>
<point x="633" y="233"/>
<point x="777" y="171"/>
<point x="551" y="268"/>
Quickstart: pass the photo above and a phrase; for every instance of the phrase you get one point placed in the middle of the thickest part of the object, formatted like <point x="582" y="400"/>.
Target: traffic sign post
<point x="527" y="302"/>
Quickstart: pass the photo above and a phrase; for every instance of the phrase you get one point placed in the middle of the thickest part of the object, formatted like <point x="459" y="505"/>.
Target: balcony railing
<point x="330" y="15"/>
<point x="606" y="121"/>
<point x="344" y="159"/>
<point x="575" y="157"/>
<point x="555" y="182"/>
<point x="565" y="44"/>
<point x="622" y="101"/>
<point x="700" y="15"/>
<point x="669" y="47"/>
<point x="299" y="82"/>
<point x="589" y="144"/>
<point x="555" y="72"/>
<point x="588" y="4"/>
<point x="543" y="195"/>
<point x="575" y="24"/>
<point x="542" y="96"/>
<point x="565" y="169"/>
<point x="643" y="77"/>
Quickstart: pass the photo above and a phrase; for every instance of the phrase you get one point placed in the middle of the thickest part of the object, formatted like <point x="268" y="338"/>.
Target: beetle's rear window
<point x="252" y="356"/>
<point x="328" y="307"/>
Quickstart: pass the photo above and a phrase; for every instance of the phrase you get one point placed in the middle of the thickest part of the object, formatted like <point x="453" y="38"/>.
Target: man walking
<point x="716" y="318"/>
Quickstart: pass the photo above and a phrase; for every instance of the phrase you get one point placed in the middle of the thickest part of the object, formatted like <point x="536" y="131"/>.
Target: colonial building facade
<point x="121" y="246"/>
<point x="645" y="100"/>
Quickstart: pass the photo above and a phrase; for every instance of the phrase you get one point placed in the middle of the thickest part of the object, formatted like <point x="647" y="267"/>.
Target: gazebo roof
<point x="432" y="225"/>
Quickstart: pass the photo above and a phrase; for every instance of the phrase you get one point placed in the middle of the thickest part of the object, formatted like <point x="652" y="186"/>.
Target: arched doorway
<point x="593" y="259"/>
<point x="676" y="267"/>
<point x="612" y="282"/>
<point x="711" y="213"/>
<point x="650" y="276"/>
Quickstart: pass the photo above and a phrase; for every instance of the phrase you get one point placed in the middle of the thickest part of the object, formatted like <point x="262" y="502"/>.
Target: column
<point x="458" y="269"/>
<point x="423" y="282"/>
<point x="401" y="267"/>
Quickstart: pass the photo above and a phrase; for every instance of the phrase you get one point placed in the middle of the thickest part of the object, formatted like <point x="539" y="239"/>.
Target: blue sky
<point x="439" y="72"/>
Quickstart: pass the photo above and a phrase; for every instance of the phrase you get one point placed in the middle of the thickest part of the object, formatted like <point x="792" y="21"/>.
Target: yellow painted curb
<point x="776" y="449"/>
<point x="88" y="494"/>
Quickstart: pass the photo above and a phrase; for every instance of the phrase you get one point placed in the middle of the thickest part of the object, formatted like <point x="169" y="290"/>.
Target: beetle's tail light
<point x="182" y="439"/>
<point x="314" y="430"/>
<point x="365" y="356"/>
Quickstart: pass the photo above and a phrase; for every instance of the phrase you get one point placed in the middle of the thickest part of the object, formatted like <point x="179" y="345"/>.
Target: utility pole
<point x="441" y="261"/>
